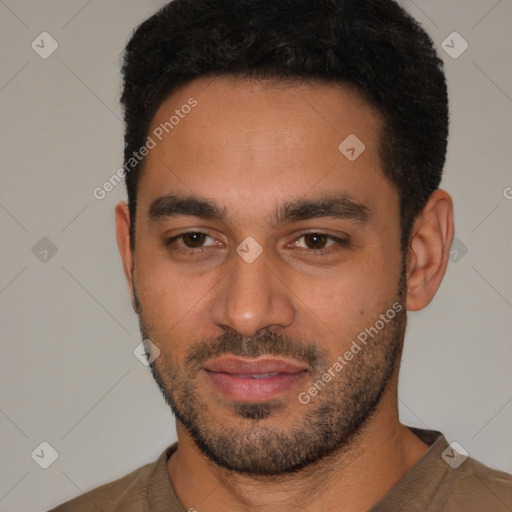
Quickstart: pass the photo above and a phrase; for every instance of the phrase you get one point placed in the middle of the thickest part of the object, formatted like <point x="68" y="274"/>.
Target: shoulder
<point x="129" y="493"/>
<point x="129" y="489"/>
<point x="477" y="486"/>
<point x="446" y="479"/>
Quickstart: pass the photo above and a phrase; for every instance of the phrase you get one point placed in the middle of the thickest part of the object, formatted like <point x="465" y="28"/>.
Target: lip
<point x="233" y="377"/>
<point x="235" y="365"/>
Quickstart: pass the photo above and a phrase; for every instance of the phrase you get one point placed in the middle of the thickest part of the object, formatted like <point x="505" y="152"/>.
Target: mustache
<point x="268" y="343"/>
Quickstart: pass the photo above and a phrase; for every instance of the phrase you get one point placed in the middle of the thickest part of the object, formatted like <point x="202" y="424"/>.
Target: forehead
<point x="250" y="145"/>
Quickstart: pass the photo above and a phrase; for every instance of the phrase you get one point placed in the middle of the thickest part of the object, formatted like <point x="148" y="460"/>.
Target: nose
<point x="252" y="297"/>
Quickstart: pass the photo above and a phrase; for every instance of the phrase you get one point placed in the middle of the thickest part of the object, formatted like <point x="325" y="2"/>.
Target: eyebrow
<point x="339" y="206"/>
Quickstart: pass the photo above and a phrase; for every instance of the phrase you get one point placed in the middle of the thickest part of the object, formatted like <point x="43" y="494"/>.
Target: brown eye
<point x="191" y="243"/>
<point x="315" y="240"/>
<point x="193" y="240"/>
<point x="320" y="244"/>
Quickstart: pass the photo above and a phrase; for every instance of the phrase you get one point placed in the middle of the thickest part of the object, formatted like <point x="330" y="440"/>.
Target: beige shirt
<point x="431" y="485"/>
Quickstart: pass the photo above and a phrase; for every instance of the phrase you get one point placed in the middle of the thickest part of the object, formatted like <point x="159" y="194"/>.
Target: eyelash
<point x="342" y="243"/>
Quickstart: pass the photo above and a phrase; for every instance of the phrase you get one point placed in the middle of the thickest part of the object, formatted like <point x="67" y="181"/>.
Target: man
<point x="282" y="161"/>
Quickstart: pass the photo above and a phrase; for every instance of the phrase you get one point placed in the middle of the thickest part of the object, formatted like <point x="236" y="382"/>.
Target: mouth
<point x="253" y="380"/>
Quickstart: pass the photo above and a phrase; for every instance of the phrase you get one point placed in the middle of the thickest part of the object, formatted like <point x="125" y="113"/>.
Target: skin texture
<point x="251" y="147"/>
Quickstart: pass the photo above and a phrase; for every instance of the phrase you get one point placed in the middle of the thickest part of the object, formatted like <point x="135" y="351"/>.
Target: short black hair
<point x="373" y="46"/>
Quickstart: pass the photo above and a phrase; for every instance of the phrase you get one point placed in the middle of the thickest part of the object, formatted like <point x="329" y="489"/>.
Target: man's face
<point x="252" y="299"/>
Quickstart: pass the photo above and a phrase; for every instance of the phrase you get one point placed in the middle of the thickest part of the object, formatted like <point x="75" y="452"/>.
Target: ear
<point x="429" y="249"/>
<point x="123" y="243"/>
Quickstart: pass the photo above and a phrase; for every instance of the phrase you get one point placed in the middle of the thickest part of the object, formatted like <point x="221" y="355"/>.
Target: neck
<point x="352" y="480"/>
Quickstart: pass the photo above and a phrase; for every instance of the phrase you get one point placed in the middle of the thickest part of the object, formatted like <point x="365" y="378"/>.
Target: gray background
<point x="68" y="373"/>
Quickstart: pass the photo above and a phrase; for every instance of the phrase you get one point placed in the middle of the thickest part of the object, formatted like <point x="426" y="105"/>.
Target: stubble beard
<point x="327" y="425"/>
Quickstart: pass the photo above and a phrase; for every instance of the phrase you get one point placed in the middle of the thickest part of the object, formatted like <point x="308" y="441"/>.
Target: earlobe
<point x="123" y="242"/>
<point x="429" y="250"/>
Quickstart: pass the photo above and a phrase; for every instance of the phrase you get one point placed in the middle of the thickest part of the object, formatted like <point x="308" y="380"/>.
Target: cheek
<point x="168" y="296"/>
<point x="329" y="305"/>
<point x="352" y="296"/>
<point x="173" y="311"/>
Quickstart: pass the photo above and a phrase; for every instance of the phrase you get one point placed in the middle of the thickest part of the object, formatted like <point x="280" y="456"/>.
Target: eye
<point x="190" y="242"/>
<point x="317" y="242"/>
<point x="196" y="242"/>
